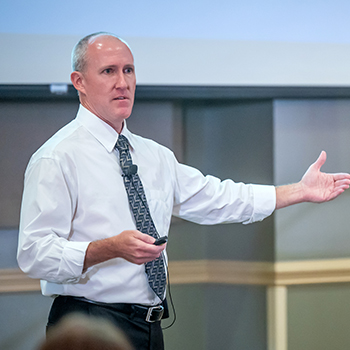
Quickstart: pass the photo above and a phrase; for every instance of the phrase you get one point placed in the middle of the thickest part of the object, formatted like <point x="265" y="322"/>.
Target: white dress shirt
<point x="74" y="194"/>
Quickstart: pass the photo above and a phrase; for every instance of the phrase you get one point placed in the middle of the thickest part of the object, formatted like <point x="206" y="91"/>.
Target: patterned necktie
<point x="155" y="269"/>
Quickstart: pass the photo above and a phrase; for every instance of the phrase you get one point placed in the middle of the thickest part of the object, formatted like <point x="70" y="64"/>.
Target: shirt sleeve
<point x="208" y="200"/>
<point x="44" y="249"/>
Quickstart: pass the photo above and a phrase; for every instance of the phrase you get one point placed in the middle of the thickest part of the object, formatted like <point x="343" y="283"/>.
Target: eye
<point x="108" y="71"/>
<point x="129" y="70"/>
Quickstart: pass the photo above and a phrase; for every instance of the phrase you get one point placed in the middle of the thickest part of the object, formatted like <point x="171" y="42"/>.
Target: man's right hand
<point x="131" y="245"/>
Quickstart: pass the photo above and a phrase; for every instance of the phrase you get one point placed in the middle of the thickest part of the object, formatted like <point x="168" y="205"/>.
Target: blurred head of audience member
<point x="80" y="332"/>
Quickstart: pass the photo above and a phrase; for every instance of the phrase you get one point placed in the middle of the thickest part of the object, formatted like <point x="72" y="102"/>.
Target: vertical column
<point x="277" y="318"/>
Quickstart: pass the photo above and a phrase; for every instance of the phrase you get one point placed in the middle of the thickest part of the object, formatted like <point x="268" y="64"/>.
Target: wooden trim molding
<point x="260" y="273"/>
<point x="14" y="280"/>
<point x="219" y="271"/>
<point x="223" y="272"/>
<point x="312" y="271"/>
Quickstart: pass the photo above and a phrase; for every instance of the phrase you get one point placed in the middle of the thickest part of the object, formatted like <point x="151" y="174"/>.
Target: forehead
<point x="107" y="49"/>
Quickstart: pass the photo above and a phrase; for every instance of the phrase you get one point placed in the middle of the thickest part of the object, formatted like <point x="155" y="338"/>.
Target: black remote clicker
<point x="161" y="240"/>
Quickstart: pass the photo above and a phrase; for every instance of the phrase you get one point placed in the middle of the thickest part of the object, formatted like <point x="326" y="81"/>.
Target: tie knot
<point x="122" y="143"/>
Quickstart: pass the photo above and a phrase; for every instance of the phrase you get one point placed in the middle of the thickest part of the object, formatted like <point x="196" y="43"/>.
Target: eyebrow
<point x="116" y="66"/>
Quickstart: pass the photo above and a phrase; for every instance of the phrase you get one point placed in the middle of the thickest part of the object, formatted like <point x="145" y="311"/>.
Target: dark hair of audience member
<point x="80" y="332"/>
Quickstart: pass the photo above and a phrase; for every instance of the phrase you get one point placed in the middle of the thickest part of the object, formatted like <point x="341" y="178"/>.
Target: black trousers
<point x="143" y="335"/>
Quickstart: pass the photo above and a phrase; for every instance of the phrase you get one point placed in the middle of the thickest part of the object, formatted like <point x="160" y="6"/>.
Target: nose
<point x="121" y="82"/>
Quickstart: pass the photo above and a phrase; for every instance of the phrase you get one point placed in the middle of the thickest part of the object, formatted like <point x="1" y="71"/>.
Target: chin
<point x="124" y="116"/>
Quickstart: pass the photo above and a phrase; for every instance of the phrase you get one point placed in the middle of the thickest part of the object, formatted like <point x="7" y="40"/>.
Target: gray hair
<point x="79" y="59"/>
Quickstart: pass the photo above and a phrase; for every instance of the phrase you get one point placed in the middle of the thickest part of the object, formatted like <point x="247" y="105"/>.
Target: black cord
<point x="170" y="296"/>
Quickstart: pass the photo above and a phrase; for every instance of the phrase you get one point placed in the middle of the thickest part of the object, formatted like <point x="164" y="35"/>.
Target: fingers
<point x="149" y="253"/>
<point x="341" y="185"/>
<point x="345" y="177"/>
<point x="139" y="247"/>
<point x="146" y="238"/>
<point x="336" y="193"/>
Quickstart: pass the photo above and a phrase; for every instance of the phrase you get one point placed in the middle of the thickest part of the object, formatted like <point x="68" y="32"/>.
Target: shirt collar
<point x="103" y="132"/>
<point x="131" y="138"/>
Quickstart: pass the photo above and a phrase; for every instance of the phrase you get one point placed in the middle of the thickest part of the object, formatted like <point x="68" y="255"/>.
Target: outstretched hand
<point x="321" y="187"/>
<point x="315" y="186"/>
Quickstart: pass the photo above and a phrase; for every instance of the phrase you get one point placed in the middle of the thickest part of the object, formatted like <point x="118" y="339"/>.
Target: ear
<point x="77" y="81"/>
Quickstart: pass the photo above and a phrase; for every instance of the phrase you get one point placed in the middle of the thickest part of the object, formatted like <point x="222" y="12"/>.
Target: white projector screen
<point x="192" y="42"/>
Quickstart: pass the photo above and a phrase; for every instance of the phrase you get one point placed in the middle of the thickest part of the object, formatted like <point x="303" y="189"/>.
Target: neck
<point x="118" y="127"/>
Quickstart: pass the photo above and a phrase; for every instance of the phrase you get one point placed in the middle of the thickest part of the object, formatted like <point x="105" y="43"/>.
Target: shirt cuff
<point x="73" y="260"/>
<point x="264" y="202"/>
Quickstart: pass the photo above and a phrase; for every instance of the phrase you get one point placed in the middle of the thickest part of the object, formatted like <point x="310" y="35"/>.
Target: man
<point x="78" y="232"/>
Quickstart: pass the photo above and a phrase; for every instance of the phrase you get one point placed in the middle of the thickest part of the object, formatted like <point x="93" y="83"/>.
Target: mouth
<point x="120" y="98"/>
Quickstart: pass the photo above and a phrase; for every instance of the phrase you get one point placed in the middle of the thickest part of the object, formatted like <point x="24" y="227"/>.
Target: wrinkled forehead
<point x="106" y="50"/>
